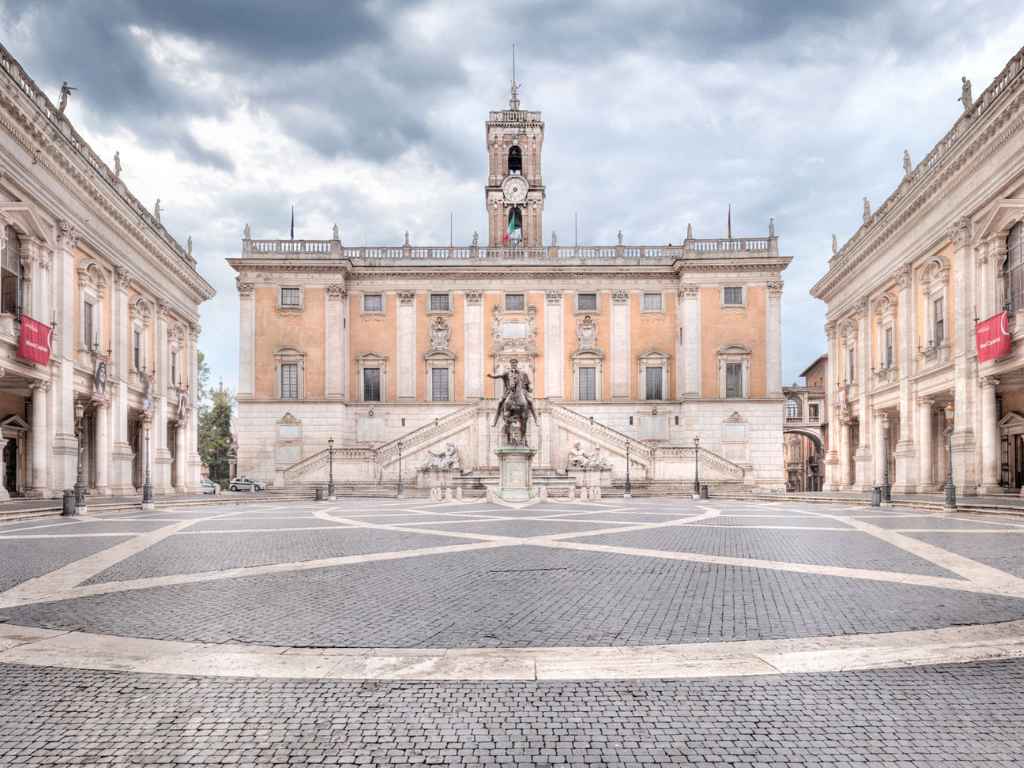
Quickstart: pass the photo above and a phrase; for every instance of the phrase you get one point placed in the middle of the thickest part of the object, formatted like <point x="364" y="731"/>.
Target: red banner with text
<point x="34" y="342"/>
<point x="992" y="337"/>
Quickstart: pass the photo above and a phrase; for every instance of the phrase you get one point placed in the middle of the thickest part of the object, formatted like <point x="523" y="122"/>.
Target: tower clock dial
<point x="515" y="188"/>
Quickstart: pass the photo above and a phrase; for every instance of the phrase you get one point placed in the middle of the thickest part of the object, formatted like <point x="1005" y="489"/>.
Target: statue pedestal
<point x="515" y="475"/>
<point x="435" y="478"/>
<point x="591" y="478"/>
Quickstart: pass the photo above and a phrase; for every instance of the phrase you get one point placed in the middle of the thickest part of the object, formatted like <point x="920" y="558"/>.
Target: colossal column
<point x="554" y="346"/>
<point x="620" y="344"/>
<point x="405" y="329"/>
<point x="40" y="465"/>
<point x="122" y="328"/>
<point x="103" y="449"/>
<point x="773" y="338"/>
<point x="989" y="437"/>
<point x="473" y="344"/>
<point x="865" y="473"/>
<point x="832" y="478"/>
<point x="65" y="444"/>
<point x="926" y="476"/>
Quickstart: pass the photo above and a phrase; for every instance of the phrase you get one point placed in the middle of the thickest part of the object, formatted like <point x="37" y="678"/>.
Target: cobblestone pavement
<point x="413" y="574"/>
<point x="961" y="715"/>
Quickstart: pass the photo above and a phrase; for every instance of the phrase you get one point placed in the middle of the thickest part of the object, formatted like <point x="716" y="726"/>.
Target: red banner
<point x="34" y="342"/>
<point x="992" y="337"/>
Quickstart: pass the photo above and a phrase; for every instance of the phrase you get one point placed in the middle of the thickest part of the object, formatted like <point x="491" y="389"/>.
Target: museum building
<point x="632" y="350"/>
<point x="99" y="309"/>
<point x="925" y="319"/>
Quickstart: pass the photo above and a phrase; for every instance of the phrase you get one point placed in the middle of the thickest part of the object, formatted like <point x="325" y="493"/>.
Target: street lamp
<point x="696" y="465"/>
<point x="80" y="439"/>
<point x="886" y="486"/>
<point x="330" y="481"/>
<point x="147" y="482"/>
<point x="399" y="469"/>
<point x="950" y="486"/>
<point x="628" y="491"/>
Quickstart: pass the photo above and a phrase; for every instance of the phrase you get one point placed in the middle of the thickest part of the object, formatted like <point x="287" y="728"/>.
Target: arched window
<point x="515" y="159"/>
<point x="1014" y="267"/>
<point x="792" y="408"/>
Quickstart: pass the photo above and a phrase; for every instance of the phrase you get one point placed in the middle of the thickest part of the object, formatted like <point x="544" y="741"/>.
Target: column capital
<point x="903" y="276"/>
<point x="774" y="288"/>
<point x="406" y="297"/>
<point x="960" y="232"/>
<point x="989" y="381"/>
<point x="122" y="278"/>
<point x="245" y="290"/>
<point x="689" y="292"/>
<point x="67" y="235"/>
<point x="620" y="297"/>
<point x="553" y="297"/>
<point x="927" y="401"/>
<point x="336" y="291"/>
<point x="40" y="385"/>
<point x="473" y="295"/>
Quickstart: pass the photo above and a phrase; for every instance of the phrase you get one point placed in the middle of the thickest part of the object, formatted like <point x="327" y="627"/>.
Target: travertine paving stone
<point x="957" y="716"/>
<point x="23" y="559"/>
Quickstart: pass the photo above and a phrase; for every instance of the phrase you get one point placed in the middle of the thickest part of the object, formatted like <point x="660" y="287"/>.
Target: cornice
<point x="50" y="149"/>
<point x="911" y="204"/>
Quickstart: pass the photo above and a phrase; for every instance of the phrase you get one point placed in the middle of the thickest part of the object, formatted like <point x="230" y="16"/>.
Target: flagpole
<point x="451" y="229"/>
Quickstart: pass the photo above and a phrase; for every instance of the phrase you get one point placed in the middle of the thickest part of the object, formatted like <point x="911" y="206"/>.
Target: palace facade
<point x="631" y="349"/>
<point x="99" y="310"/>
<point x="943" y="254"/>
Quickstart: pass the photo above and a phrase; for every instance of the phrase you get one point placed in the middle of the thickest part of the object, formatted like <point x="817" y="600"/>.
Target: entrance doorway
<point x="10" y="478"/>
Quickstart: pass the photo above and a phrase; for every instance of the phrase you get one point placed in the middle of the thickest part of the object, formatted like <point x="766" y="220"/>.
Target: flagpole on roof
<point x="728" y="224"/>
<point x="292" y="231"/>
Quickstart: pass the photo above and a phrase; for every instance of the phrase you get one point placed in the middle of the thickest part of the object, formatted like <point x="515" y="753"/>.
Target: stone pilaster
<point x="39" y="437"/>
<point x="158" y="440"/>
<point x="832" y="480"/>
<point x="65" y="444"/>
<point x="335" y="352"/>
<point x="865" y="474"/>
<point x="473" y="344"/>
<point x="926" y="478"/>
<point x="192" y="436"/>
<point x="103" y="449"/>
<point x="121" y="456"/>
<point x="690" y="378"/>
<point x="773" y="338"/>
<point x="965" y="457"/>
<point x="905" y="453"/>
<point x="405" y="329"/>
<point x="247" y="340"/>
<point x="620" y="344"/>
<point x="554" y="347"/>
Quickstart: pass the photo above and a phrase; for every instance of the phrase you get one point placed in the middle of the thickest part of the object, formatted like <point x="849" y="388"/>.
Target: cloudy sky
<point x="371" y="116"/>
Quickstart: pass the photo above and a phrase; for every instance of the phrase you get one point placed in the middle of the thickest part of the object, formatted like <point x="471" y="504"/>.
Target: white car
<point x="208" y="486"/>
<point x="245" y="484"/>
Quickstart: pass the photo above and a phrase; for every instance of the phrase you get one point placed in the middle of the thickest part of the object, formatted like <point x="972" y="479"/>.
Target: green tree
<point x="215" y="433"/>
<point x="203" y="387"/>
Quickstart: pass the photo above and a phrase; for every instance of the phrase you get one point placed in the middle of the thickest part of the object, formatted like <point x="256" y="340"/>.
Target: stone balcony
<point x="934" y="355"/>
<point x="691" y="249"/>
<point x="886" y="376"/>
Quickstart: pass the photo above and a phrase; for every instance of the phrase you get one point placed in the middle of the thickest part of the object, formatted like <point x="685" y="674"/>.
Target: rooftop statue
<point x="965" y="95"/>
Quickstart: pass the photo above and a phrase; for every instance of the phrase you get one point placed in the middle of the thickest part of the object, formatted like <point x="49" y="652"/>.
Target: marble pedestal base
<point x="515" y="473"/>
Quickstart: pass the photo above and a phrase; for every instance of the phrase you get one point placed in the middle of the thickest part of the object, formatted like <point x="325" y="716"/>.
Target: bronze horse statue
<point x="516" y="405"/>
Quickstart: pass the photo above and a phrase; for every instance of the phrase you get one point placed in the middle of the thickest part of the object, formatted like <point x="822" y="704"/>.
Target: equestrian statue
<point x="516" y="404"/>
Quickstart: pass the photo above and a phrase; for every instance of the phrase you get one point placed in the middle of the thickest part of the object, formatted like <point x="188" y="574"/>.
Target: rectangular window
<point x="588" y="384"/>
<point x="732" y="295"/>
<point x="291" y="297"/>
<point x="1014" y="288"/>
<point x="586" y="302"/>
<point x="371" y="384"/>
<point x="289" y="381"/>
<point x="812" y="411"/>
<point x="734" y="379"/>
<point x="851" y="368"/>
<point x="940" y="321"/>
<point x="88" y="337"/>
<point x="137" y="349"/>
<point x="440" y="302"/>
<point x="11" y="274"/>
<point x="373" y="302"/>
<point x="439" y="384"/>
<point x="888" y="347"/>
<point x="654" y="380"/>
<point x="174" y="368"/>
<point x="652" y="302"/>
<point x="515" y="302"/>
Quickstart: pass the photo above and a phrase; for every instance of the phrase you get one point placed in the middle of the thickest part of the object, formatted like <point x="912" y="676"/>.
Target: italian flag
<point x="514" y="231"/>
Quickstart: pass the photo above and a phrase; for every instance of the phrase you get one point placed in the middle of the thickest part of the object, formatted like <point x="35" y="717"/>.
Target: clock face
<point x="515" y="188"/>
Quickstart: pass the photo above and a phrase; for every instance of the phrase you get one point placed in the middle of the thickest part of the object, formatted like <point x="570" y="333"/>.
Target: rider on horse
<point x="514" y="380"/>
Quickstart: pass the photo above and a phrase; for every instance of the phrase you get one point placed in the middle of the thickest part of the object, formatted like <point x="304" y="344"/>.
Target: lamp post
<point x="80" y="439"/>
<point x="696" y="466"/>
<point x="628" y="491"/>
<point x="950" y="486"/>
<point x="147" y="481"/>
<point x="330" y="481"/>
<point x="886" y="485"/>
<point x="399" y="469"/>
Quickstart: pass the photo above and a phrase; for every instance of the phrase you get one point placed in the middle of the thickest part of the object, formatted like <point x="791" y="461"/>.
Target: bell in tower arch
<point x="515" y="159"/>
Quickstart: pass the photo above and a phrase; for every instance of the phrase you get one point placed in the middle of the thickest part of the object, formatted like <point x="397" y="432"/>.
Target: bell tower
<point x="514" y="194"/>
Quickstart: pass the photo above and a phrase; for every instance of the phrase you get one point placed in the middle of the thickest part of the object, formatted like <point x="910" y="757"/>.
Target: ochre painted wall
<point x="301" y="330"/>
<point x="722" y="326"/>
<point x="651" y="332"/>
<point x="372" y="333"/>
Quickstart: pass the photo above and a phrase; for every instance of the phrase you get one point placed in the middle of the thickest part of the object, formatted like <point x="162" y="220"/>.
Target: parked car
<point x="245" y="484"/>
<point x="208" y="486"/>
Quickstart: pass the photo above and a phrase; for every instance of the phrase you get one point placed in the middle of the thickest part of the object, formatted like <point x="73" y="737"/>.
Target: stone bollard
<point x="448" y="496"/>
<point x="571" y="494"/>
<point x="542" y="493"/>
<point x="458" y="493"/>
<point x="595" y="493"/>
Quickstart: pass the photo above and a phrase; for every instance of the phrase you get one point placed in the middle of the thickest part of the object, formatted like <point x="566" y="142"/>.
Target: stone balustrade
<point x="690" y="249"/>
